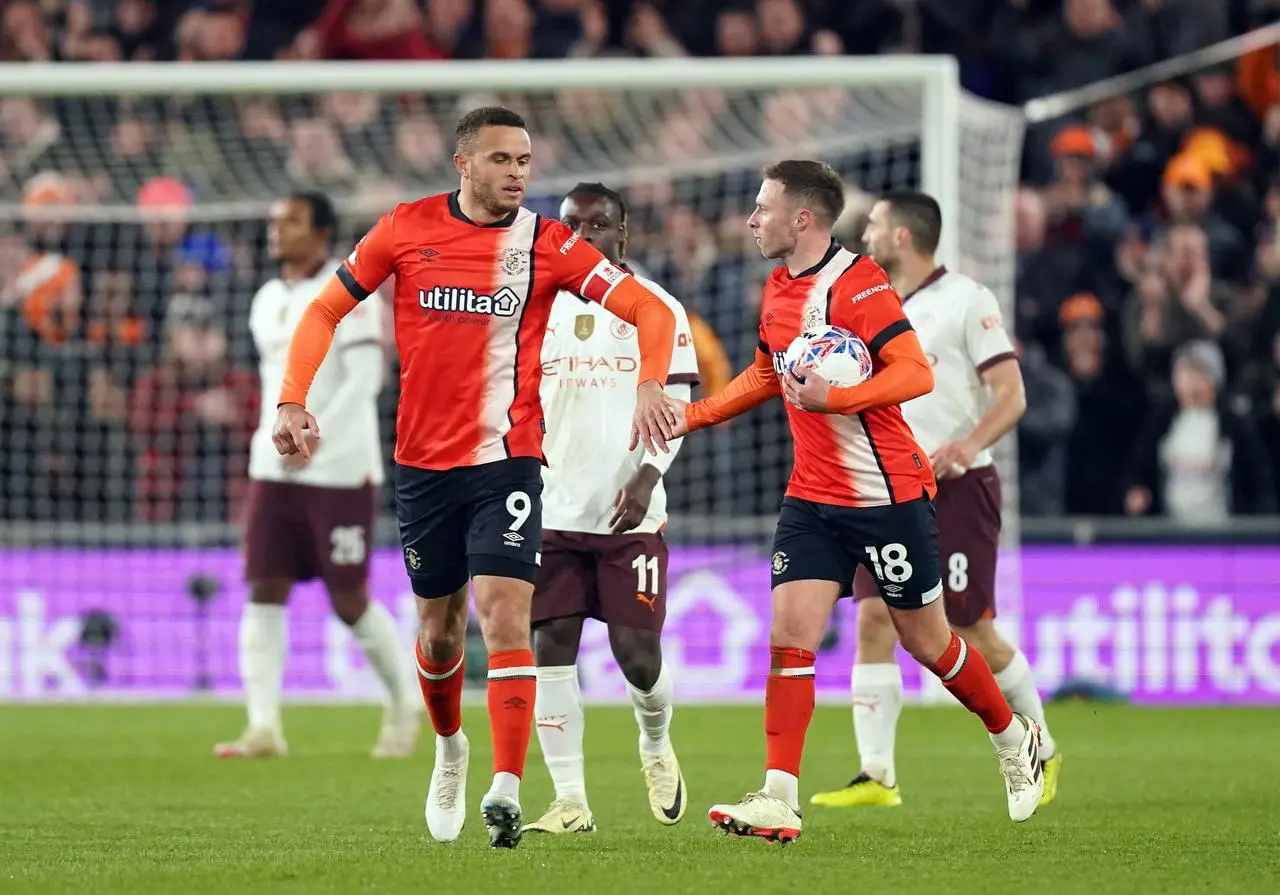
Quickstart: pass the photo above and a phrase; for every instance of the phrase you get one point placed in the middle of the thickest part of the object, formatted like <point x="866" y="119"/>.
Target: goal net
<point x="132" y="240"/>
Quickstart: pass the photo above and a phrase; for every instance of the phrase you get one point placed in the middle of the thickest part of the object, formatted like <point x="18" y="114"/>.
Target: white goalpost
<point x="131" y="194"/>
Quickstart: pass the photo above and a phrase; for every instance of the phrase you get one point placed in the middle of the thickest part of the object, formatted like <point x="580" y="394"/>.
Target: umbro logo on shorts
<point x="513" y="538"/>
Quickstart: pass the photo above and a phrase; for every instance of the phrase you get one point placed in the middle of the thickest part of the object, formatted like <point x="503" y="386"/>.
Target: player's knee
<point x="876" y="635"/>
<point x="639" y="656"/>
<point x="555" y="642"/>
<point x="923" y="632"/>
<point x="270" y="592"/>
<point x="349" y="605"/>
<point x="503" y="605"/>
<point x="442" y="626"/>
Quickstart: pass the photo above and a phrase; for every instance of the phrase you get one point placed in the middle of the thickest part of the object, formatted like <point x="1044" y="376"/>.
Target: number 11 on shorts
<point x="646" y="574"/>
<point x="890" y="563"/>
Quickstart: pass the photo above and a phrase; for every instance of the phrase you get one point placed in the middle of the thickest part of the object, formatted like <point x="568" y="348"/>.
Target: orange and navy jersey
<point x="859" y="460"/>
<point x="470" y="308"/>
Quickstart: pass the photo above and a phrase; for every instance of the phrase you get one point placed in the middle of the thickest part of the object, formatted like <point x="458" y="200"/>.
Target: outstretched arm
<point x="655" y="325"/>
<point x="750" y="388"/>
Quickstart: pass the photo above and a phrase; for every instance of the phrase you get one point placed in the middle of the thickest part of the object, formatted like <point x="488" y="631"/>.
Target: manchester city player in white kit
<point x="977" y="398"/>
<point x="603" y="555"/>
<point x="314" y="518"/>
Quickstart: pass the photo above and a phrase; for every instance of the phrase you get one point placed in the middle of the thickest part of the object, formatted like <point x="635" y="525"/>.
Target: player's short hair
<point x="470" y="124"/>
<point x="600" y="191"/>
<point x="323" y="215"/>
<point x="813" y="184"/>
<point x="920" y="214"/>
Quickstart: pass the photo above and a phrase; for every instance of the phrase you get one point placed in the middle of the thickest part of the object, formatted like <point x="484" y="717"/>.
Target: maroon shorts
<point x="968" y="513"/>
<point x="617" y="579"/>
<point x="297" y="532"/>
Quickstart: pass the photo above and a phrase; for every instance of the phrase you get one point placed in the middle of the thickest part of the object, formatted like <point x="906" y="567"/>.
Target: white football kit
<point x="590" y="368"/>
<point x="343" y="397"/>
<point x="960" y="327"/>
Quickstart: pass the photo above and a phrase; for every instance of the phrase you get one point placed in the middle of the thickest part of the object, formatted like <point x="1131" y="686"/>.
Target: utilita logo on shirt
<point x="452" y="300"/>
<point x="780" y="363"/>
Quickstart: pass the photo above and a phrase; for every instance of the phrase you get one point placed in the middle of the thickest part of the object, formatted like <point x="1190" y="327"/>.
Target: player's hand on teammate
<point x="812" y="394"/>
<point x="632" y="503"/>
<point x="295" y="430"/>
<point x="655" y="421"/>
<point x="954" y="458"/>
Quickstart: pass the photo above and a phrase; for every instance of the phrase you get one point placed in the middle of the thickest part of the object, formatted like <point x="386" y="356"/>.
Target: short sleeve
<point x="363" y="325"/>
<point x="865" y="303"/>
<point x="371" y="261"/>
<point x="577" y="266"/>
<point x="985" y="339"/>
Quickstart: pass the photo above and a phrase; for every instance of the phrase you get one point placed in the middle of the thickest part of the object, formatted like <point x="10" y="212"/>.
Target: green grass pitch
<point x="116" y="799"/>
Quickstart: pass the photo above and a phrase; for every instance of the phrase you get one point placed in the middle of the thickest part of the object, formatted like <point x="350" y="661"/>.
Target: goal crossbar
<point x="246" y="78"/>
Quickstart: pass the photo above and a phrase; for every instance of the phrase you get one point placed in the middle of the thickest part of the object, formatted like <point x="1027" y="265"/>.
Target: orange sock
<point x="441" y="684"/>
<point x="967" y="675"/>
<point x="788" y="708"/>
<point x="512" y="689"/>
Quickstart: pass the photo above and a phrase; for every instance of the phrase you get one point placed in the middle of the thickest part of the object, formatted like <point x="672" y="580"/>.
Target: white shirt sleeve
<point x="985" y="339"/>
<point x="681" y="391"/>
<point x="363" y="325"/>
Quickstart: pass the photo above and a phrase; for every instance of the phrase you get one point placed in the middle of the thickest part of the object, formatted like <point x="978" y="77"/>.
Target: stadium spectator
<point x="192" y="416"/>
<point x="367" y="29"/>
<point x="1043" y="432"/>
<point x="1199" y="459"/>
<point x="1108" y="404"/>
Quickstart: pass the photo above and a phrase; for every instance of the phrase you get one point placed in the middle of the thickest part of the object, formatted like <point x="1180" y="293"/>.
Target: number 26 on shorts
<point x="890" y="563"/>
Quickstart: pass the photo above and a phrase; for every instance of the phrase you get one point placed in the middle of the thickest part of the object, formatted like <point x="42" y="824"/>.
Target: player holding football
<point x="959" y="324"/>
<point x="314" y="519"/>
<point x="476" y="274"/>
<point x="860" y="494"/>
<point x="603" y="555"/>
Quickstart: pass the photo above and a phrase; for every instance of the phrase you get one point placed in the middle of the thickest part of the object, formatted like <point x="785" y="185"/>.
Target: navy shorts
<point x="472" y="520"/>
<point x="897" y="544"/>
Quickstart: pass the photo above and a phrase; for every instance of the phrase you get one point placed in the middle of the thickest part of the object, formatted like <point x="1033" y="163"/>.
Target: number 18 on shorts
<point x="897" y="544"/>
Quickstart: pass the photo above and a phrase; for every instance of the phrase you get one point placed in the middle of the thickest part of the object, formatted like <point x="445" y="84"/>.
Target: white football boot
<point x="446" y="809"/>
<point x="254" y="743"/>
<point x="503" y="819"/>
<point x="665" y="784"/>
<point x="1022" y="771"/>
<point x="564" y="816"/>
<point x="758" y="814"/>
<point x="399" y="733"/>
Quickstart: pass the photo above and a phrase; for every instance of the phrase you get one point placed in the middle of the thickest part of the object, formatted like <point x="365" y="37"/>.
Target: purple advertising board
<point x="1162" y="624"/>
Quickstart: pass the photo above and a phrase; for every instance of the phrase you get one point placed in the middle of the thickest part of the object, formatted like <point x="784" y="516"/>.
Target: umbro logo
<point x="513" y="538"/>
<point x="428" y="254"/>
<point x="515" y="702"/>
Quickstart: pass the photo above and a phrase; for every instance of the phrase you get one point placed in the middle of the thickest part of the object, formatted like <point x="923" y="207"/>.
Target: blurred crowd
<point x="1148" y="254"/>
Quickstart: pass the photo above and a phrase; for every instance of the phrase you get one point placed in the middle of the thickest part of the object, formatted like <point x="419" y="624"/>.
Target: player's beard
<point x="496" y="201"/>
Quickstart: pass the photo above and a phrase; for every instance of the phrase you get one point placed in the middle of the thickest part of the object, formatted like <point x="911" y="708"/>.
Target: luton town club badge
<point x="514" y="262"/>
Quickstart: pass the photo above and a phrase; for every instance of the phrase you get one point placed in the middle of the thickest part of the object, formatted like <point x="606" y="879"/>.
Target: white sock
<point x="784" y="786"/>
<point x="378" y="638"/>
<point x="1019" y="688"/>
<point x="877" y="703"/>
<point x="264" y="637"/>
<point x="558" y="718"/>
<point x="452" y="748"/>
<point x="1011" y="736"/>
<point x="506" y="784"/>
<point x="653" y="714"/>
